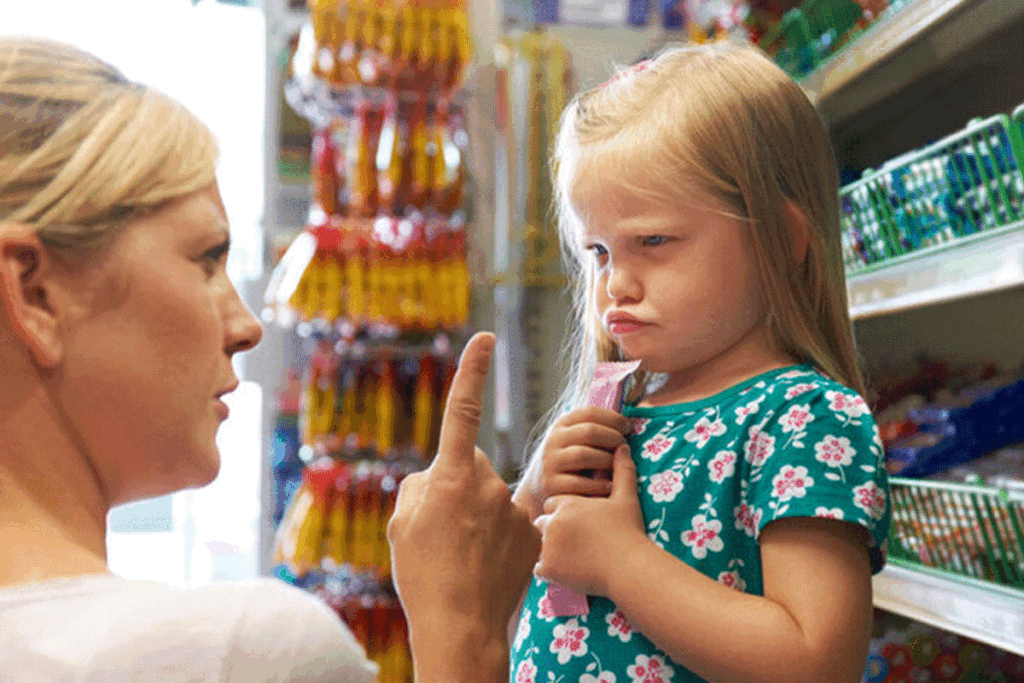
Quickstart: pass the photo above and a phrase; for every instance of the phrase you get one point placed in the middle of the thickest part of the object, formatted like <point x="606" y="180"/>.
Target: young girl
<point x="698" y="200"/>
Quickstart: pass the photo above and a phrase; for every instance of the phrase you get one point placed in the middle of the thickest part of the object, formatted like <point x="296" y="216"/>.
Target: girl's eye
<point x="600" y="253"/>
<point x="653" y="240"/>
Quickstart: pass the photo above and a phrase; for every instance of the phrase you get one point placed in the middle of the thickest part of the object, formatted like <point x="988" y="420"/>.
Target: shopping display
<point x="384" y="405"/>
<point x="905" y="651"/>
<point x="955" y="438"/>
<point x="376" y="289"/>
<point x="964" y="184"/>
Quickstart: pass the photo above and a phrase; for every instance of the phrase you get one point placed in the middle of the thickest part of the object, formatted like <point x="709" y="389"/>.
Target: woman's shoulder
<point x="255" y="630"/>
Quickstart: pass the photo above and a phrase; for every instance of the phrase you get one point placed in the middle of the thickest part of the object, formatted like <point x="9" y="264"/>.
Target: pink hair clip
<point x="622" y="73"/>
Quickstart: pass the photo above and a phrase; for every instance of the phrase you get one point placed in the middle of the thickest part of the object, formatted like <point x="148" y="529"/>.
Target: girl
<point x="698" y="202"/>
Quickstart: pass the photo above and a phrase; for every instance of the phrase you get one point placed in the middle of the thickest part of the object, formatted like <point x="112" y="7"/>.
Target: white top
<point x="105" y="629"/>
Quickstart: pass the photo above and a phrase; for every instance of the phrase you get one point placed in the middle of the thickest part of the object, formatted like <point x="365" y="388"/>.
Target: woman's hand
<point x="461" y="553"/>
<point x="576" y="457"/>
<point x="583" y="536"/>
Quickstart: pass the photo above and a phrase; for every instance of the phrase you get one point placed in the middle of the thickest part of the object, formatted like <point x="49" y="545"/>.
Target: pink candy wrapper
<point x="606" y="391"/>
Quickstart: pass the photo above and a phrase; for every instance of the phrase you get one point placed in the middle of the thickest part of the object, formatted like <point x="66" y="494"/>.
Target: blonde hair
<point x="725" y="121"/>
<point x="83" y="150"/>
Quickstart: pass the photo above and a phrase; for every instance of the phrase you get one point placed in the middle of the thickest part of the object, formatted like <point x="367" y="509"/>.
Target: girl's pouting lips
<point x="621" y="324"/>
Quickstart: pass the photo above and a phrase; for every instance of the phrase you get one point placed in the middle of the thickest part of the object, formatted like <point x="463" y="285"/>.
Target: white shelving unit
<point x="989" y="263"/>
<point x="988" y="615"/>
<point x="898" y="69"/>
<point x="901" y="48"/>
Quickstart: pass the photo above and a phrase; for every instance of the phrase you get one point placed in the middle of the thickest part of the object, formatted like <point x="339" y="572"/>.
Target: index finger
<point x="462" y="412"/>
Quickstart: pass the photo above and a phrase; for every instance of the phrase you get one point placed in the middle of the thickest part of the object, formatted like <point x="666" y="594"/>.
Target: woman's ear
<point x="27" y="293"/>
<point x="800" y="227"/>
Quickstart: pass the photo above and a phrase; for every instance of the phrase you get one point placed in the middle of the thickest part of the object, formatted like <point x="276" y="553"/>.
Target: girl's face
<point x="676" y="286"/>
<point x="148" y="352"/>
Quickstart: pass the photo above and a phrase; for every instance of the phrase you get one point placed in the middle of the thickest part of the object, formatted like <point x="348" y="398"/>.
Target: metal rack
<point x="896" y="70"/>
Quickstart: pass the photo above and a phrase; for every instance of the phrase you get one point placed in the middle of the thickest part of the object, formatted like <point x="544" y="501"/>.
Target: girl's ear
<point x="27" y="293"/>
<point x="800" y="228"/>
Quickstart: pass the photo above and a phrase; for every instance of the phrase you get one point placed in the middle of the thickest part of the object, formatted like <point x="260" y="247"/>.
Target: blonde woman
<point x="117" y="328"/>
<point x="698" y="204"/>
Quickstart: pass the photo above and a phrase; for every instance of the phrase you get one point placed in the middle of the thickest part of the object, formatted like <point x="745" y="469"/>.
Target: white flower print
<point x="618" y="626"/>
<point x="570" y="640"/>
<point x="794" y="373"/>
<point x="791" y="482"/>
<point x="651" y="669"/>
<point x="523" y="631"/>
<point x="834" y="451"/>
<point x="603" y="677"/>
<point x="704" y="536"/>
<point x="871" y="499"/>
<point x="732" y="580"/>
<point x="759" y="446"/>
<point x="657" y="446"/>
<point x="828" y="513"/>
<point x="545" y="610"/>
<point x="796" y="419"/>
<point x="527" y="671"/>
<point x="744" y="411"/>
<point x="798" y="389"/>
<point x="748" y="518"/>
<point x="704" y="430"/>
<point x="639" y="424"/>
<point x="665" y="485"/>
<point x="721" y="466"/>
<point x="851" y="406"/>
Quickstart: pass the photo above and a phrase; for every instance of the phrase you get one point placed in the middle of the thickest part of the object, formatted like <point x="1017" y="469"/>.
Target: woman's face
<point x="148" y="352"/>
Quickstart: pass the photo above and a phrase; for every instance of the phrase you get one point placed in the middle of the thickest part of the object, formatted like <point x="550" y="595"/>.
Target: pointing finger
<point x="462" y="413"/>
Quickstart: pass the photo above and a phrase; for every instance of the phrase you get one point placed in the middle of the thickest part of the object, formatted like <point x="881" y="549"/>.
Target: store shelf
<point x="900" y="48"/>
<point x="986" y="262"/>
<point x="991" y="615"/>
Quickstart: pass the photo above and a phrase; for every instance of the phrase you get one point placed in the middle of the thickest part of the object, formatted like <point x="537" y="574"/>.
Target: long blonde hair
<point x="83" y="149"/>
<point x="722" y="119"/>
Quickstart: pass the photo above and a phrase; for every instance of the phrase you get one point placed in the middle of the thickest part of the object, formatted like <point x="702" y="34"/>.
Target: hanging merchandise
<point x="376" y="289"/>
<point x="535" y="81"/>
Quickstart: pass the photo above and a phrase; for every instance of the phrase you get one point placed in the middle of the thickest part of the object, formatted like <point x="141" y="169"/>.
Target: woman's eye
<point x="216" y="256"/>
<point x="652" y="240"/>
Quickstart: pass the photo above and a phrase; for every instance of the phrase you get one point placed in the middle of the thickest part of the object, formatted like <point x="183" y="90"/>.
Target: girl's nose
<point x="621" y="285"/>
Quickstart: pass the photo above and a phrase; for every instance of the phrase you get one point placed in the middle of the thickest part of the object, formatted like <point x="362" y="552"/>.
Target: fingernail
<point x="624" y="449"/>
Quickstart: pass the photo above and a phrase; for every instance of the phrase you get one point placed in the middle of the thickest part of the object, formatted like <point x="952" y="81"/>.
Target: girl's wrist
<point x="634" y="554"/>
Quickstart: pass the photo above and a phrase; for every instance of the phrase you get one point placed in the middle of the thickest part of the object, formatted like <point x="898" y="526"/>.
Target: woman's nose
<point x="242" y="330"/>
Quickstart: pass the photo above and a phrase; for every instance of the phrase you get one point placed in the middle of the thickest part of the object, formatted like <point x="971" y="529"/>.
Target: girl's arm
<point x="812" y="625"/>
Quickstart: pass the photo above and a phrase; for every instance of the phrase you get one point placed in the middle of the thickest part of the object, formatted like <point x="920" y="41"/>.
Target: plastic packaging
<point x="606" y="391"/>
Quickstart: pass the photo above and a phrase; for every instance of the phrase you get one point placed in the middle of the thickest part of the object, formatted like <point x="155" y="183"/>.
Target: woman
<point x="117" y="328"/>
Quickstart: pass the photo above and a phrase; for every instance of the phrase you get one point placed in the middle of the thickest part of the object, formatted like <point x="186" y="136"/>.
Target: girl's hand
<point x="583" y="536"/>
<point x="576" y="458"/>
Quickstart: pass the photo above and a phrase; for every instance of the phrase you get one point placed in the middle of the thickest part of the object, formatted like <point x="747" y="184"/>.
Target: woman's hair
<point x="718" y="121"/>
<point x="83" y="150"/>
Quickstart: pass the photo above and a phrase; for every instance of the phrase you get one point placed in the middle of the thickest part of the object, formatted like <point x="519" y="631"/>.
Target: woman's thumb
<point x="623" y="473"/>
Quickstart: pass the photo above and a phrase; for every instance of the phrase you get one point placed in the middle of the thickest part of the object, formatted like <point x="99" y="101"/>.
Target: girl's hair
<point x="83" y="150"/>
<point x="719" y="121"/>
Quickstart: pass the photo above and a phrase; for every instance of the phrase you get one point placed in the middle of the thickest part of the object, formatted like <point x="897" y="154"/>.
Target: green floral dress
<point x="711" y="475"/>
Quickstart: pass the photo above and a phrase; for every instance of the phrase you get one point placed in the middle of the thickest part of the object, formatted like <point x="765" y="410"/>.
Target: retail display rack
<point x="374" y="289"/>
<point x="939" y="224"/>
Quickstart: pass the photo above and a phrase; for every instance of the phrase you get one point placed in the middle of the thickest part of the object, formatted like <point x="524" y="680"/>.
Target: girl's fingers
<point x="590" y="434"/>
<point x="576" y="485"/>
<point x="596" y="415"/>
<point x="576" y="458"/>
